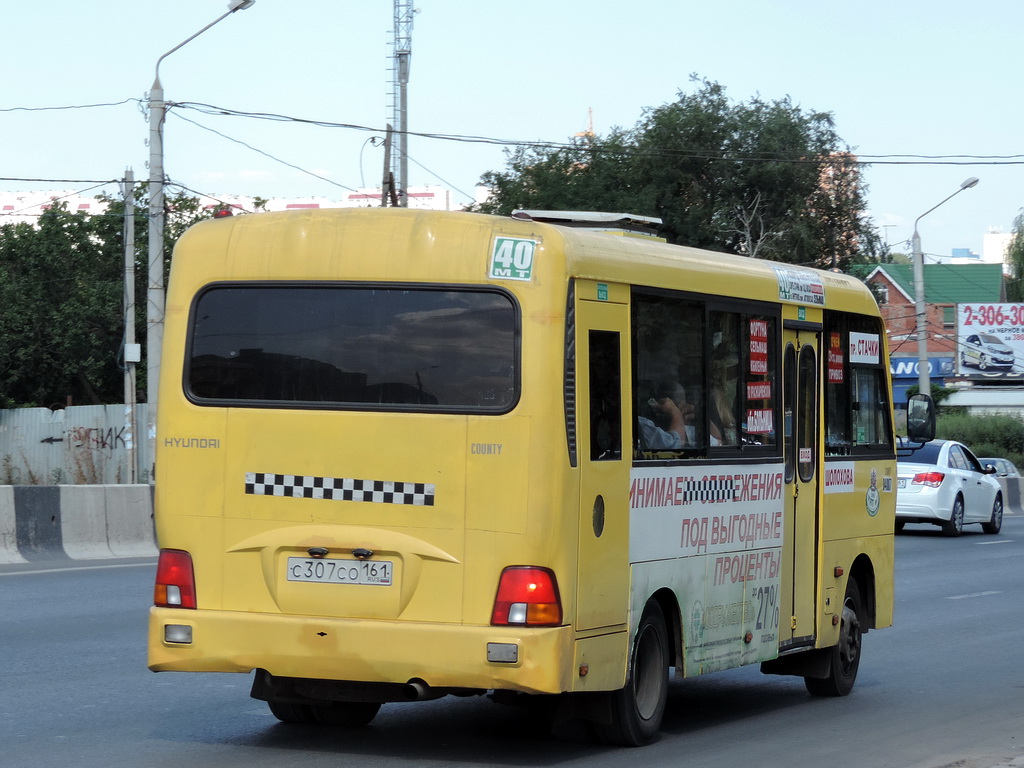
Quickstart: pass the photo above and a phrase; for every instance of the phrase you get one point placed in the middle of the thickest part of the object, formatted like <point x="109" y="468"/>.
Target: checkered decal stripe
<point x="339" y="488"/>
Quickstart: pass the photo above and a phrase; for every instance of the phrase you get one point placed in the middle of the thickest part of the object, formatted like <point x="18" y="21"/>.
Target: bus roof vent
<point x="626" y="224"/>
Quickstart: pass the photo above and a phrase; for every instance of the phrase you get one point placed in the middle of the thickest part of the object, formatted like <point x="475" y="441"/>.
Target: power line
<point x="72" y="106"/>
<point x="262" y="152"/>
<point x="797" y="157"/>
<point x="964" y="159"/>
<point x="98" y="182"/>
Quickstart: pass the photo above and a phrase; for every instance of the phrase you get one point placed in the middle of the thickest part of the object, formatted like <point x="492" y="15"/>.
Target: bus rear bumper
<point x="370" y="651"/>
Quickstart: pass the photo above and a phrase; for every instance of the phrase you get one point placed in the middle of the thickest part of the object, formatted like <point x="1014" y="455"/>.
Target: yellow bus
<point x="406" y="454"/>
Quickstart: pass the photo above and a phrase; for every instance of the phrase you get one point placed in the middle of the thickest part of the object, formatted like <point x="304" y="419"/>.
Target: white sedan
<point x="943" y="483"/>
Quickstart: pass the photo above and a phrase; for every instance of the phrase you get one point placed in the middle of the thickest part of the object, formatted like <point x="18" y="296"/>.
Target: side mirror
<point x="920" y="419"/>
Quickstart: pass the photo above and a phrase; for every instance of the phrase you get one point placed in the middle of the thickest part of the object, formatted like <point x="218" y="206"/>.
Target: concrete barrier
<point x="77" y="522"/>
<point x="1012" y="503"/>
<point x="8" y="528"/>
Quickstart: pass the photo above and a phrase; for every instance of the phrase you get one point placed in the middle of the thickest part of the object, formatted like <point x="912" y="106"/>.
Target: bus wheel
<point x="345" y="713"/>
<point x="845" y="655"/>
<point x="287" y="712"/>
<point x="638" y="708"/>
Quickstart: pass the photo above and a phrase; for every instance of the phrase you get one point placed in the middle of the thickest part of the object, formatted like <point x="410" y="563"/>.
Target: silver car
<point x="1004" y="467"/>
<point x="944" y="484"/>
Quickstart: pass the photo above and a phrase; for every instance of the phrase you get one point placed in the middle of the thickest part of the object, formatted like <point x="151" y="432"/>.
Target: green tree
<point x="1015" y="261"/>
<point x="60" y="298"/>
<point x="61" y="301"/>
<point x="763" y="178"/>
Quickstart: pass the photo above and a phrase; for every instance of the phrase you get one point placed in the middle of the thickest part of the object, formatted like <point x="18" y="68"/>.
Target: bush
<point x="985" y="435"/>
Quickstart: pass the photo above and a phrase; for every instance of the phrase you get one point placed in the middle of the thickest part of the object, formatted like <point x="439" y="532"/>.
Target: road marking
<point x="972" y="594"/>
<point x="1000" y="541"/>
<point x="78" y="568"/>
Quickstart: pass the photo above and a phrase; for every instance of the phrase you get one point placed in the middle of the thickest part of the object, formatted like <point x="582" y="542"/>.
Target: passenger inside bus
<point x="668" y="424"/>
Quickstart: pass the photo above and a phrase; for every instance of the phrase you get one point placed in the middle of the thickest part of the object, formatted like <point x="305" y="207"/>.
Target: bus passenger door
<point x="800" y="370"/>
<point x="602" y="583"/>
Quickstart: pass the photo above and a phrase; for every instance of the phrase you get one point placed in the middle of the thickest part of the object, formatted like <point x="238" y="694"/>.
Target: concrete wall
<point x="79" y="445"/>
<point x="62" y="522"/>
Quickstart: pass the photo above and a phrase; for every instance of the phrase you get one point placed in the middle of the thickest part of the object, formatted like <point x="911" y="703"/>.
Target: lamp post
<point x="923" y="379"/>
<point x="155" y="288"/>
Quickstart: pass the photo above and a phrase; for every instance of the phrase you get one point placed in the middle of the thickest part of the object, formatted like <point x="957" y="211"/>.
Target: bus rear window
<point x="356" y="347"/>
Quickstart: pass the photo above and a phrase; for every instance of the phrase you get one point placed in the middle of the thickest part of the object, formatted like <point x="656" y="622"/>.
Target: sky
<point x="904" y="78"/>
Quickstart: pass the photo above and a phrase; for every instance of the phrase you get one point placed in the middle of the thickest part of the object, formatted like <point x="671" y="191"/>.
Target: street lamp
<point x="155" y="292"/>
<point x="923" y="380"/>
<point x="155" y="289"/>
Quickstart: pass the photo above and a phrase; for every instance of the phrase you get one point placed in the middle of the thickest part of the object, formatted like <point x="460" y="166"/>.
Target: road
<point x="945" y="684"/>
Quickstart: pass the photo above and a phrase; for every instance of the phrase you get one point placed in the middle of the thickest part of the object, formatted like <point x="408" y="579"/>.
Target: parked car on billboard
<point x="984" y="351"/>
<point x="944" y="484"/>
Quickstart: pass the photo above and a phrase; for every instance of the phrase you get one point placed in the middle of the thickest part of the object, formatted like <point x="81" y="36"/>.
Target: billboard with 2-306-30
<point x="990" y="341"/>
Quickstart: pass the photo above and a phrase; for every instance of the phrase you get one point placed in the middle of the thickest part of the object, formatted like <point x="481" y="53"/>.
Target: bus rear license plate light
<point x="179" y="634"/>
<point x="503" y="653"/>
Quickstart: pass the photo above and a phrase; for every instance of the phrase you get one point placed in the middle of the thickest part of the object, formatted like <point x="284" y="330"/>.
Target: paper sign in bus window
<point x="864" y="347"/>
<point x="835" y="359"/>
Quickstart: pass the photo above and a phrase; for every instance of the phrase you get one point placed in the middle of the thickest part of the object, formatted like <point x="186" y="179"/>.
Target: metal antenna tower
<point x="401" y="56"/>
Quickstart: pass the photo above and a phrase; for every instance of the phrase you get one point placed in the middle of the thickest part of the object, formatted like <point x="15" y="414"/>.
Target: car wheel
<point x="963" y="359"/>
<point x="845" y="655"/>
<point x="899" y="525"/>
<point x="637" y="709"/>
<point x="983" y="362"/>
<point x="995" y="523"/>
<point x="955" y="525"/>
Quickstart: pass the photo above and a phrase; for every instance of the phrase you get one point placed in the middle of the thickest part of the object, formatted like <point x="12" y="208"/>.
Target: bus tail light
<point x="931" y="479"/>
<point x="175" y="580"/>
<point x="527" y="596"/>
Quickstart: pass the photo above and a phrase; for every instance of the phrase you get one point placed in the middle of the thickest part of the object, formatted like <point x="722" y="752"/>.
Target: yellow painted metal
<point x="602" y="584"/>
<point x="803" y="499"/>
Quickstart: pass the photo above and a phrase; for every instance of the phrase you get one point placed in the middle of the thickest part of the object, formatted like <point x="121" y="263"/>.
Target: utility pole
<point x="399" y="155"/>
<point x="387" y="181"/>
<point x="132" y="350"/>
<point x="924" y="386"/>
<point x="156" y="291"/>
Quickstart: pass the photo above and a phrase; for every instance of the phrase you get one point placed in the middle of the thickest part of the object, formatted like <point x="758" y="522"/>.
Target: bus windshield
<point x="342" y="346"/>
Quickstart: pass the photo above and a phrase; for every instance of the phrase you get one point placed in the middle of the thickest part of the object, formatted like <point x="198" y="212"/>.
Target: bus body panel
<point x="374" y="652"/>
<point x="521" y="487"/>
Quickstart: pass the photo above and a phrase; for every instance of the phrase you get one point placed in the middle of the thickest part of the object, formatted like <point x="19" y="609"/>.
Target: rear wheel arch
<point x="863" y="573"/>
<point x="673" y="625"/>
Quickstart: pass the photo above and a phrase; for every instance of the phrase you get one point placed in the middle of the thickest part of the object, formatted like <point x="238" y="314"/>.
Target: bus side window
<point x="723" y="387"/>
<point x="856" y="395"/>
<point x="668" y="370"/>
<point x="605" y="397"/>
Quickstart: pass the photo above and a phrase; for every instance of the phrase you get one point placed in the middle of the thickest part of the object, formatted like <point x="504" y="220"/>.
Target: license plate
<point x="901" y="483"/>
<point x="337" y="571"/>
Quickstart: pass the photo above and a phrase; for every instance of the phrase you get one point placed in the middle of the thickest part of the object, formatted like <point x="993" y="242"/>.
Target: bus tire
<point x="844" y="660"/>
<point x="288" y="712"/>
<point x="350" y="714"/>
<point x="638" y="708"/>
